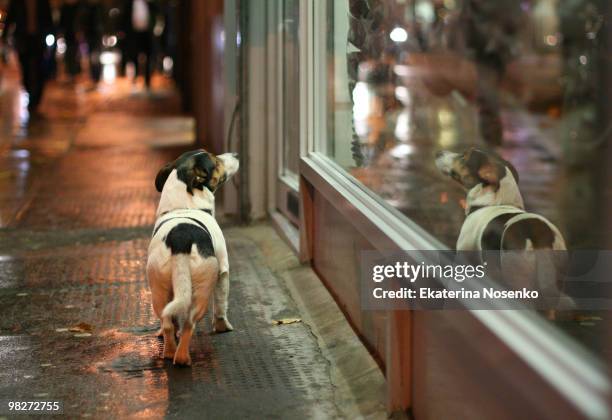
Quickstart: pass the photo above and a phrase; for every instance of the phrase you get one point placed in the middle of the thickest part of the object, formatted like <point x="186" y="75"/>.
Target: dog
<point x="187" y="257"/>
<point x="496" y="220"/>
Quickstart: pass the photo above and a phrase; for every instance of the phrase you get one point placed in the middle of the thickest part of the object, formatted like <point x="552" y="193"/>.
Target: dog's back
<point x="527" y="250"/>
<point x="191" y="249"/>
<point x="514" y="231"/>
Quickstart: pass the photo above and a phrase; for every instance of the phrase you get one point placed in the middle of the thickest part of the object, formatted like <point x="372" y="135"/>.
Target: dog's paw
<point x="169" y="354"/>
<point x="182" y="359"/>
<point x="222" y="325"/>
<point x="169" y="351"/>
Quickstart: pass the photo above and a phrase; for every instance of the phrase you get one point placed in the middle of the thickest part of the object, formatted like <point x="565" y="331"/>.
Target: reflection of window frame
<point x="285" y="174"/>
<point x="572" y="376"/>
<point x="287" y="182"/>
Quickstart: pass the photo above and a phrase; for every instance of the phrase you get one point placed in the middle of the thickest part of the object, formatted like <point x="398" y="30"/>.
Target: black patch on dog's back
<point x="516" y="235"/>
<point x="181" y="238"/>
<point x="535" y="230"/>
<point x="491" y="239"/>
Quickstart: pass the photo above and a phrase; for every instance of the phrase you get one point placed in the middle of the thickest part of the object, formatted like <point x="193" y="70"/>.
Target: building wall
<point x="206" y="72"/>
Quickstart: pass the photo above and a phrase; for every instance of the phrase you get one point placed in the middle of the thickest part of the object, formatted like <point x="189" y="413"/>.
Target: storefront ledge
<point x="569" y="369"/>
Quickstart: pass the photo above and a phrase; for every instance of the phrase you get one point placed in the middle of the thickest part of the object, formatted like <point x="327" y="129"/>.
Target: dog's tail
<point x="181" y="286"/>
<point x="544" y="255"/>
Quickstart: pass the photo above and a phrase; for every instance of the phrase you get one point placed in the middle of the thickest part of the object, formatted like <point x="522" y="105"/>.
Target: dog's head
<point x="489" y="179"/>
<point x="199" y="169"/>
<point x="474" y="167"/>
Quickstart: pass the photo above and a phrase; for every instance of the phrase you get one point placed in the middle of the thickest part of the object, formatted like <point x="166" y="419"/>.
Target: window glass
<point x="290" y="87"/>
<point x="525" y="79"/>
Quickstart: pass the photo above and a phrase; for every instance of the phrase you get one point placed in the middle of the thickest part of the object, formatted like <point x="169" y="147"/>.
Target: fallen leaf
<point x="22" y="294"/>
<point x="80" y="335"/>
<point x="61" y="329"/>
<point x="286" y="321"/>
<point x="81" y="327"/>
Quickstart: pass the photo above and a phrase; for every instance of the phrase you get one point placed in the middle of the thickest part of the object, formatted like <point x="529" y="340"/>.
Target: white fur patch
<point x="175" y="196"/>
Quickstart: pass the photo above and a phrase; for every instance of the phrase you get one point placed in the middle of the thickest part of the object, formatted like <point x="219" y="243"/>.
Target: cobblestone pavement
<point x="76" y="208"/>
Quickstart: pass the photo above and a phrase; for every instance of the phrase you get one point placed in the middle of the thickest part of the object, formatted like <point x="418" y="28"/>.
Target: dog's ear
<point x="197" y="171"/>
<point x="491" y="173"/>
<point x="494" y="170"/>
<point x="217" y="175"/>
<point x="162" y="175"/>
<point x="486" y="168"/>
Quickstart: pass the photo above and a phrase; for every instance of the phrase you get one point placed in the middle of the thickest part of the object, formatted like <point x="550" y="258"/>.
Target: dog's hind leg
<point x="169" y="340"/>
<point x="181" y="356"/>
<point x="221" y="295"/>
<point x="201" y="296"/>
<point x="160" y="296"/>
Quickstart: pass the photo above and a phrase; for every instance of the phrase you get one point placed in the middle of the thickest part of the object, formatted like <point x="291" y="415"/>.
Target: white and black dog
<point x="495" y="214"/>
<point x="187" y="254"/>
<point x="496" y="219"/>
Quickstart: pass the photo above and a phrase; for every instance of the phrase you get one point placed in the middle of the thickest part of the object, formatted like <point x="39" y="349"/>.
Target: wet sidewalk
<point x="77" y="205"/>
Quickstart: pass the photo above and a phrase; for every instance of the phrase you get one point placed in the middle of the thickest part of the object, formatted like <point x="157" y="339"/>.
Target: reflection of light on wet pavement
<point x="21" y="153"/>
<point x="109" y="61"/>
<point x="362" y="108"/>
<point x="403" y="95"/>
<point x="448" y="132"/>
<point x="401" y="151"/>
<point x="109" y="57"/>
<point x="403" y="127"/>
<point x="109" y="73"/>
<point x="23" y="115"/>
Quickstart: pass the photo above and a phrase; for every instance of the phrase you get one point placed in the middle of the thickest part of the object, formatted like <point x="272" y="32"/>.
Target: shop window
<point x="406" y="78"/>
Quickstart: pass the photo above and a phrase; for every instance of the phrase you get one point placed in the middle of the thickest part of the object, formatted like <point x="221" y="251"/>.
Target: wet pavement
<point x="77" y="205"/>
